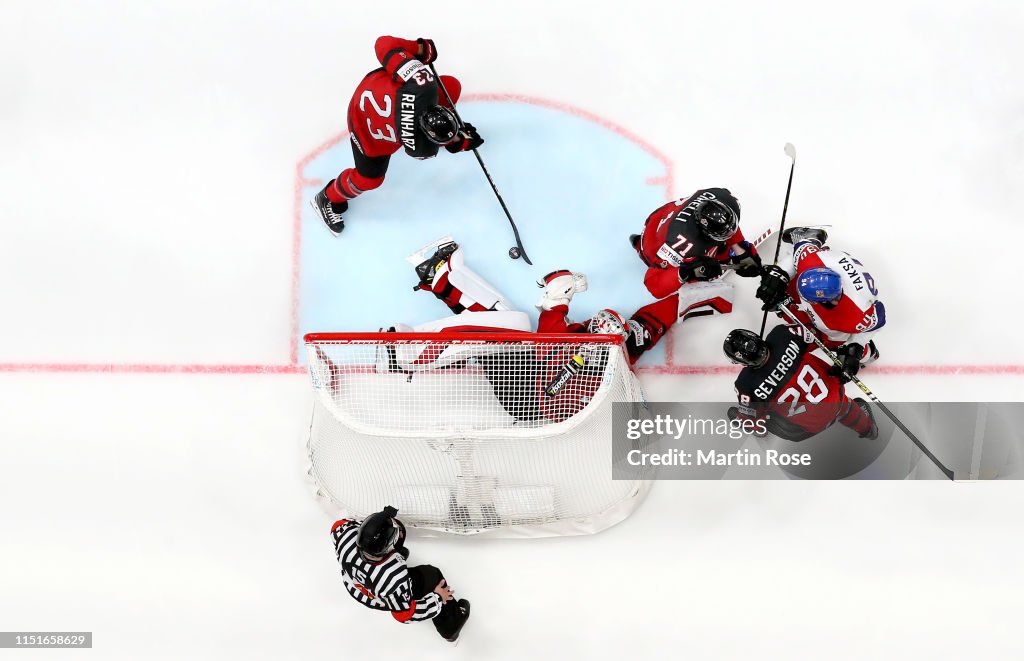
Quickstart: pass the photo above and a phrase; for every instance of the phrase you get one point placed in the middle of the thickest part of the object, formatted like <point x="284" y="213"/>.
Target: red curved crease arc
<point x="293" y="367"/>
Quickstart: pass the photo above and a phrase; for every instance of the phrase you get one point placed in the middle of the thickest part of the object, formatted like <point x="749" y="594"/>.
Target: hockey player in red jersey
<point x="694" y="239"/>
<point x="793" y="391"/>
<point x="398" y="105"/>
<point x="373" y="558"/>
<point x="687" y="246"/>
<point x="830" y="292"/>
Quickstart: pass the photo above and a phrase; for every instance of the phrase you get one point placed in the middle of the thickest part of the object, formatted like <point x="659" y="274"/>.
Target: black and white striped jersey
<point x="384" y="586"/>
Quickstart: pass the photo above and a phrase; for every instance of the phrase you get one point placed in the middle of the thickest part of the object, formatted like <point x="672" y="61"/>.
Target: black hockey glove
<point x="774" y="281"/>
<point x="747" y="265"/>
<point x="468" y="140"/>
<point x="429" y="50"/>
<point x="700" y="268"/>
<point x="849" y="355"/>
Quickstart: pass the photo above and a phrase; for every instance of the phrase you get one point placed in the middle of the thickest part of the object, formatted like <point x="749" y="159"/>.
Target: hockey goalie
<point x="539" y="383"/>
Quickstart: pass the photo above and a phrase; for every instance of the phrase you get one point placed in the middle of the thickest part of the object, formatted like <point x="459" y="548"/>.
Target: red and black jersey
<point x="383" y="110"/>
<point x="794" y="392"/>
<point x="671" y="238"/>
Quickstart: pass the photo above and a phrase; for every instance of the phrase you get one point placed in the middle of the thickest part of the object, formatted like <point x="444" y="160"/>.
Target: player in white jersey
<point x="830" y="291"/>
<point x="372" y="555"/>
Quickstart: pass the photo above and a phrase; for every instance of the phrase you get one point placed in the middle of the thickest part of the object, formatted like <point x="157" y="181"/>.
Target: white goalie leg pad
<point x="473" y="288"/>
<point x="699" y="299"/>
<point x="490" y="320"/>
<point x="419" y="357"/>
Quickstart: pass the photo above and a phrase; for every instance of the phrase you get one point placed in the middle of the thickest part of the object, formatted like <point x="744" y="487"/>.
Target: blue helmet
<point x="820" y="285"/>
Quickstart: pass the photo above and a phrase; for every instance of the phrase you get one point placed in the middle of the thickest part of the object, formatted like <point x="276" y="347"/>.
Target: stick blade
<point x="790" y="151"/>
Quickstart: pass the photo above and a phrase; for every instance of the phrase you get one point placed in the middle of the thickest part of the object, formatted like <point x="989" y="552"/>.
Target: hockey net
<point x="457" y="430"/>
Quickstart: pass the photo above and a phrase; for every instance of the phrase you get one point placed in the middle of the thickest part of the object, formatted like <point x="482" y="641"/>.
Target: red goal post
<point x="498" y="433"/>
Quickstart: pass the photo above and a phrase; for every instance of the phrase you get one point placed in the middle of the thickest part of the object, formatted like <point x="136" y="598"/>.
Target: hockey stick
<point x="517" y="251"/>
<point x="791" y="152"/>
<point x="784" y="311"/>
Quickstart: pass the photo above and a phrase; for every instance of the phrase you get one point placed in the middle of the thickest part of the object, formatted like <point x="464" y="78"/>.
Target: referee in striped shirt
<point x="372" y="554"/>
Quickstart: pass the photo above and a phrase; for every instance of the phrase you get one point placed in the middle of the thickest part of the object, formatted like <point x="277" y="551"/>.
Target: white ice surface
<point x="146" y="178"/>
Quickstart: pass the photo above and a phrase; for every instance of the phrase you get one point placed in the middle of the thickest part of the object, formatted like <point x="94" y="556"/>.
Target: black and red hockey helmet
<point x="717" y="220"/>
<point x="439" y="125"/>
<point x="746" y="347"/>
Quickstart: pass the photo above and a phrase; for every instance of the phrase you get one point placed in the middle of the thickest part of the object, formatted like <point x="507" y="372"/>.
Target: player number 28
<point x="384" y="112"/>
<point x="814" y="390"/>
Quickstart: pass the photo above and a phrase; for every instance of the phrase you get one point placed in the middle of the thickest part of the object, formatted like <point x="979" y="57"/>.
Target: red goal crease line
<point x="676" y="370"/>
<point x="293" y="367"/>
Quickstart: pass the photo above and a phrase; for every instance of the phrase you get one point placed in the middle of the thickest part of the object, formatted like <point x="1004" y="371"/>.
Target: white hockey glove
<point x="559" y="288"/>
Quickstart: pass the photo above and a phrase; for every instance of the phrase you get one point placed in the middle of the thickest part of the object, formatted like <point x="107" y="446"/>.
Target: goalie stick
<point x="784" y="311"/>
<point x="518" y="250"/>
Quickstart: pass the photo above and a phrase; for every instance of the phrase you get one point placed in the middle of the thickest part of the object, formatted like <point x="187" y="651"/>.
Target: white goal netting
<point x="508" y="434"/>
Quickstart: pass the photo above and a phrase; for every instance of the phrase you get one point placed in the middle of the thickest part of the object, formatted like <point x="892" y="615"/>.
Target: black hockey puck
<point x="514" y="253"/>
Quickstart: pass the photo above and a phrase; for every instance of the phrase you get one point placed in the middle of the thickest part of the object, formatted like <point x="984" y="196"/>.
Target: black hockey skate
<point x="330" y="212"/>
<point x="463" y="618"/>
<point x="795" y="235"/>
<point x="428" y="267"/>
<point x="872" y="434"/>
<point x="387" y="359"/>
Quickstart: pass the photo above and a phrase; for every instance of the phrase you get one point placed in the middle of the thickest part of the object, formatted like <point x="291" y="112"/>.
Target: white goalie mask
<point x="608" y="322"/>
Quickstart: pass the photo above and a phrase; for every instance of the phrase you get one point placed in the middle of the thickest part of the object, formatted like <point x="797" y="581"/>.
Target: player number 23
<point x="384" y="112"/>
<point x="814" y="390"/>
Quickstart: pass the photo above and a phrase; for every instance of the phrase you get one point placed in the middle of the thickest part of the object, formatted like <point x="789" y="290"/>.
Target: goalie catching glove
<point x="559" y="288"/>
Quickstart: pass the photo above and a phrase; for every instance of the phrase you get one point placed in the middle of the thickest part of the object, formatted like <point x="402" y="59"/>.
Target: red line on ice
<point x="293" y="367"/>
